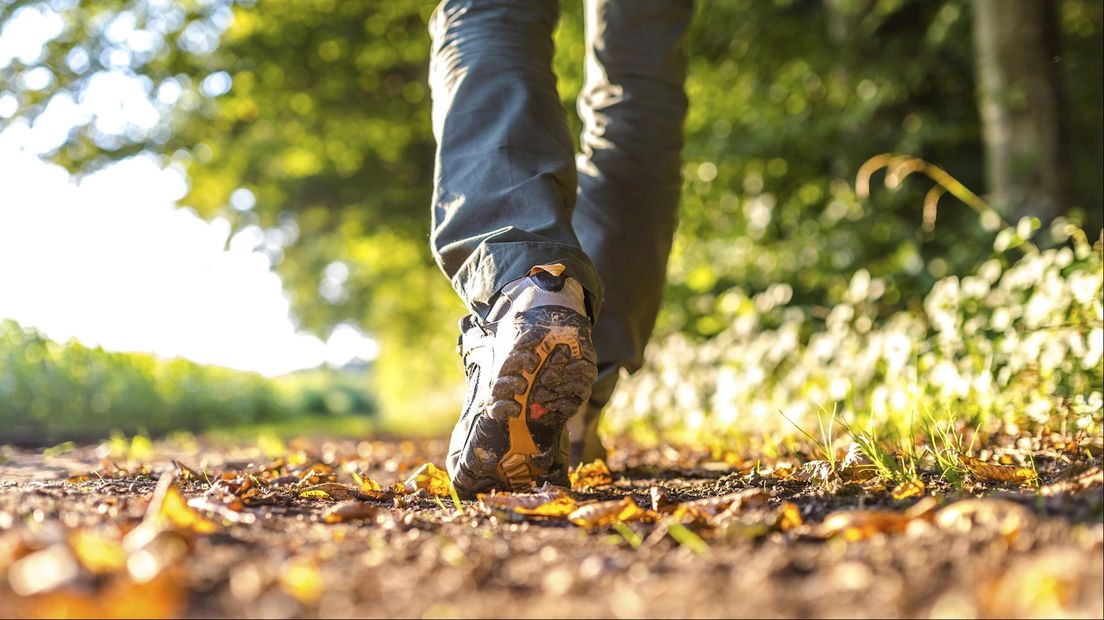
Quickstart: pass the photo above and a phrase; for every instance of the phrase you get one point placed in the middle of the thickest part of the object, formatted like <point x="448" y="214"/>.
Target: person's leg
<point x="505" y="187"/>
<point x="505" y="182"/>
<point x="632" y="106"/>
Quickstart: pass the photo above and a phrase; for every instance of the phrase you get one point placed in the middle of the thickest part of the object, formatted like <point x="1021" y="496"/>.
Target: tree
<point x="1018" y="99"/>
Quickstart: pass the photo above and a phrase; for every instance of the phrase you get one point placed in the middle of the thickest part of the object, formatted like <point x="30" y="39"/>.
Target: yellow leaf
<point x="301" y="579"/>
<point x="789" y="517"/>
<point x="329" y="490"/>
<point x="560" y="507"/>
<point x="170" y="509"/>
<point x="368" y="486"/>
<point x="998" y="473"/>
<point x="597" y="514"/>
<point x="590" y="475"/>
<point x="429" y="477"/>
<point x="98" y="554"/>
<point x="912" y="488"/>
<point x="549" y="501"/>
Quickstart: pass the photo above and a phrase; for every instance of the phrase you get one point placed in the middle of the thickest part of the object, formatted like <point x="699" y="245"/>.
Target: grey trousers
<point x="510" y="192"/>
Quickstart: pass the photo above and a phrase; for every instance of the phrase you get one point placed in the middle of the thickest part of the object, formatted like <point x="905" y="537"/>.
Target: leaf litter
<point x="147" y="539"/>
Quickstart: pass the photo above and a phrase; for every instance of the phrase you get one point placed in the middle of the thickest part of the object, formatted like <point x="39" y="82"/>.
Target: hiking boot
<point x="530" y="367"/>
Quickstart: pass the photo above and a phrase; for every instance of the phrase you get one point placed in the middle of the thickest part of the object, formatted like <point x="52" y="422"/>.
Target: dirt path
<point x="256" y="541"/>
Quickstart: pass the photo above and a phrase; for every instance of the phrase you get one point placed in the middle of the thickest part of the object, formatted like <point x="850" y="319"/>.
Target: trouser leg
<point x="632" y="105"/>
<point x="505" y="180"/>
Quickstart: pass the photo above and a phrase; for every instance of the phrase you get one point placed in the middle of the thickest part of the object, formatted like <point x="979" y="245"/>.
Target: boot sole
<point x="516" y="441"/>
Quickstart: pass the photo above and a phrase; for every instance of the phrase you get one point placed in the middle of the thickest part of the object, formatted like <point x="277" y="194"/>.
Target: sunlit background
<point x="226" y="185"/>
<point x="112" y="259"/>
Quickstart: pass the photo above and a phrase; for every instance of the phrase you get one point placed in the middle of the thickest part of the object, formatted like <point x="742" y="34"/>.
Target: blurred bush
<point x="51" y="391"/>
<point x="1019" y="336"/>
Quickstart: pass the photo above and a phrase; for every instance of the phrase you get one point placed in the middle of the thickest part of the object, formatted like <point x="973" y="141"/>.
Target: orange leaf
<point x="789" y="517"/>
<point x="170" y="509"/>
<point x="590" y="475"/>
<point x="912" y="488"/>
<point x="854" y="525"/>
<point x="607" y="513"/>
<point x="428" y="477"/>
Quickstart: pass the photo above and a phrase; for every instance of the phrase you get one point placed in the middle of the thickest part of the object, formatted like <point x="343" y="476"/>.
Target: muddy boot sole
<point x="515" y="443"/>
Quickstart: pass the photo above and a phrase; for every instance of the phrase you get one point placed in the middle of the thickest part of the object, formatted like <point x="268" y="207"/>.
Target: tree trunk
<point x="1015" y="42"/>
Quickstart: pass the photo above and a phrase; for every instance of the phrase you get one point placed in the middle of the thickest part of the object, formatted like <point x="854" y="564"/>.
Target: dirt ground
<point x="204" y="531"/>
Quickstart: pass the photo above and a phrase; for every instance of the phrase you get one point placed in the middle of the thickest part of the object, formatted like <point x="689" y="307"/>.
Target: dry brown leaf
<point x="187" y="473"/>
<point x="429" y="477"/>
<point x="998" y="473"/>
<point x="597" y="514"/>
<point x="329" y="491"/>
<point x="856" y="466"/>
<point x="550" y="501"/>
<point x="854" y="525"/>
<point x="710" y="507"/>
<point x="351" y="510"/>
<point x="1092" y="477"/>
<point x="1003" y="516"/>
<point x="912" y="488"/>
<point x="590" y="475"/>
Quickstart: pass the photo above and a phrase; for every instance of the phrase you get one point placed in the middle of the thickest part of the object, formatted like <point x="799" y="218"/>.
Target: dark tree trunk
<point x="1018" y="100"/>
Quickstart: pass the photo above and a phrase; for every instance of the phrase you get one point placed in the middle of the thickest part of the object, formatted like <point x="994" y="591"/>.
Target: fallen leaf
<point x="597" y="514"/>
<point x="169" y="508"/>
<point x="855" y="525"/>
<point x="811" y="471"/>
<point x="120" y="597"/>
<point x="550" y="501"/>
<point x="709" y="507"/>
<point x="998" y="473"/>
<point x="905" y="490"/>
<point x="789" y="517"/>
<point x="429" y="477"/>
<point x="328" y="491"/>
<point x="350" y="510"/>
<point x="97" y="554"/>
<point x="187" y="473"/>
<point x="1092" y="477"/>
<point x="369" y="487"/>
<point x="301" y="579"/>
<point x="591" y="475"/>
<point x="1003" y="516"/>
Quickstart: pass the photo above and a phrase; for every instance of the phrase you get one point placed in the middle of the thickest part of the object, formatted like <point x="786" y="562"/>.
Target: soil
<point x="416" y="555"/>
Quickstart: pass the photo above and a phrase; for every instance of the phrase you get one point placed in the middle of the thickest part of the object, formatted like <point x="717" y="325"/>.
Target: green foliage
<point x="50" y="391"/>
<point x="324" y="129"/>
<point x="1017" y="337"/>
